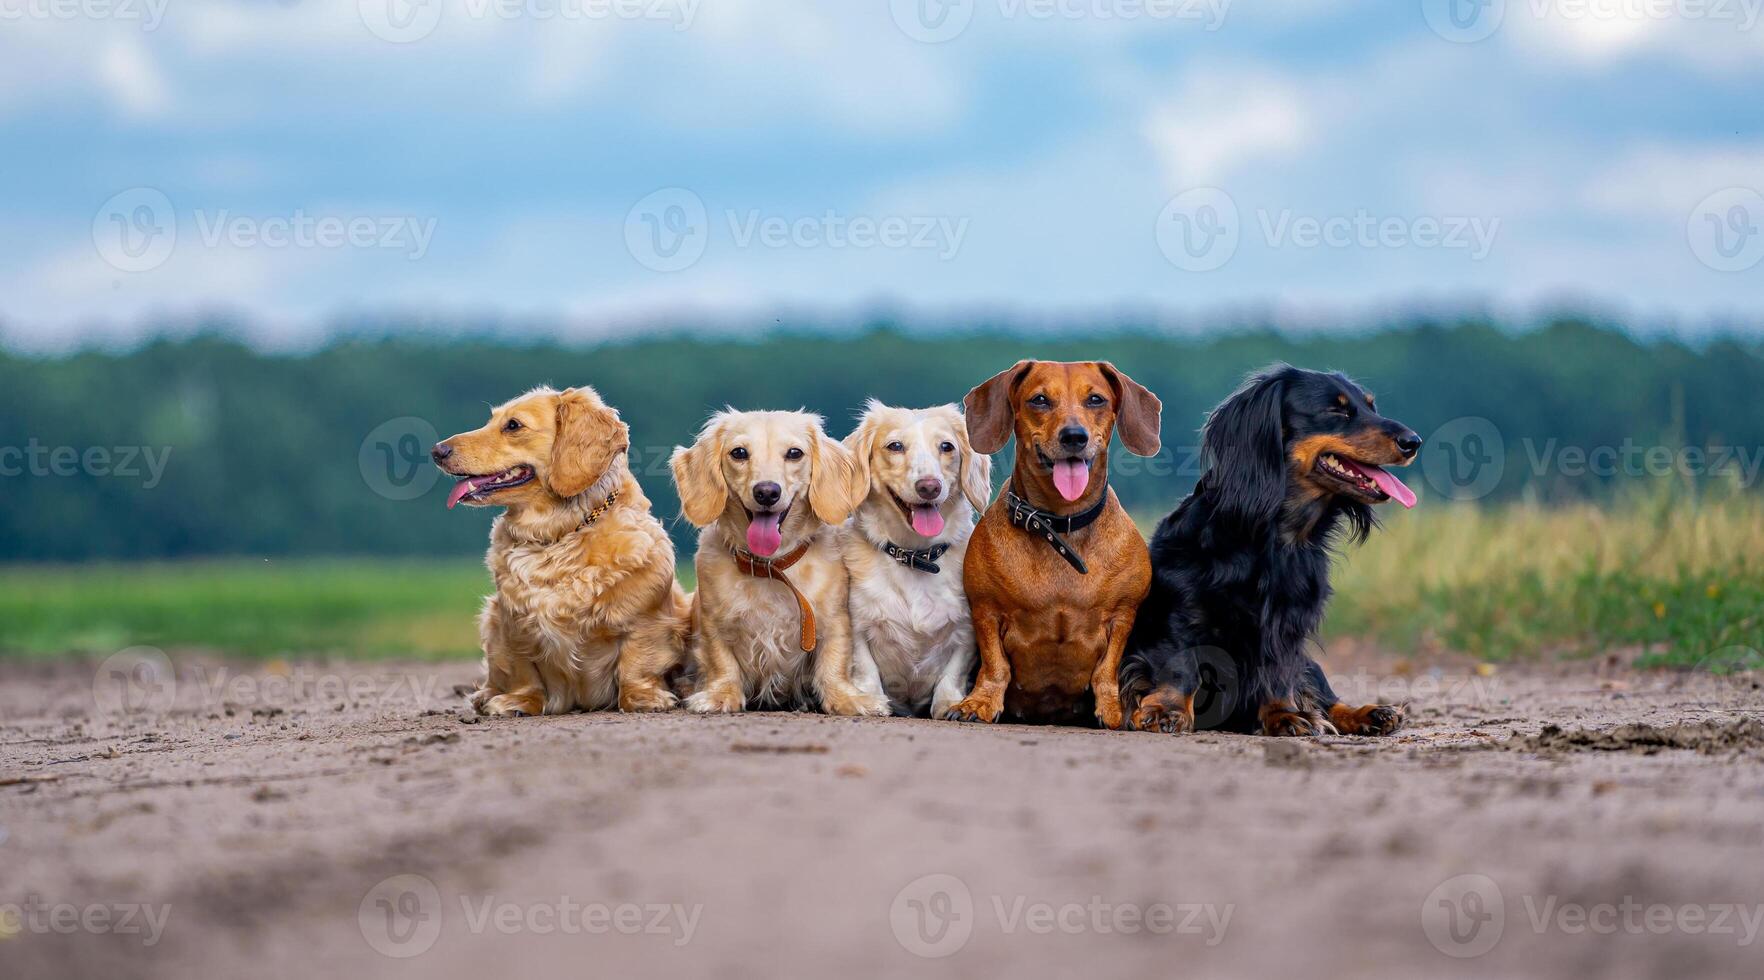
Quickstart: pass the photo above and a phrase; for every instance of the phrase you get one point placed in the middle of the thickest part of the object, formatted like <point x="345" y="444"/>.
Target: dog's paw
<point x="1287" y="723"/>
<point x="480" y="698"/>
<point x="974" y="709"/>
<point x="714" y="701"/>
<point x="856" y="704"/>
<point x="648" y="699"/>
<point x="514" y="706"/>
<point x="1108" y="714"/>
<point x="1370" y="719"/>
<point x="1169" y="712"/>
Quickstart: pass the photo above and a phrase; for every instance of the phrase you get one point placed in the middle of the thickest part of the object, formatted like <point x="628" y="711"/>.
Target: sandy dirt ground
<point x="354" y="820"/>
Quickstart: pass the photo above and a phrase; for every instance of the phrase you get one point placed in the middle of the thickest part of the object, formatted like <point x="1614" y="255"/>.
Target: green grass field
<point x="1680" y="584"/>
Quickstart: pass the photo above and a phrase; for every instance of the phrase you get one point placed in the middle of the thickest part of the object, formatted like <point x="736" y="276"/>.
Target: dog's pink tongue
<point x="460" y="490"/>
<point x="927" y="521"/>
<point x="1071" y="476"/>
<point x="764" y="534"/>
<point x="1392" y="486"/>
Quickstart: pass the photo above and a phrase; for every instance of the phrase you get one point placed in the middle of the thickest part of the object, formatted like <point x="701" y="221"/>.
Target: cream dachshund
<point x="769" y="491"/>
<point x="586" y="612"/>
<point x="911" y="634"/>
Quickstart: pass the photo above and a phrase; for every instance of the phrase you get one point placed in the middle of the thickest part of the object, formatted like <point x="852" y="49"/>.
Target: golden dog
<point x="912" y="637"/>
<point x="586" y="612"/>
<point x="769" y="490"/>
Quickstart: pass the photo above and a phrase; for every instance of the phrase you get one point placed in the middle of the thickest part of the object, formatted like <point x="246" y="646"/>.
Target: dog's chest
<point x="913" y="623"/>
<point x="546" y="596"/>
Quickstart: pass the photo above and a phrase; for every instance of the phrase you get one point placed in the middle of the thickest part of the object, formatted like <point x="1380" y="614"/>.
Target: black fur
<point x="1240" y="570"/>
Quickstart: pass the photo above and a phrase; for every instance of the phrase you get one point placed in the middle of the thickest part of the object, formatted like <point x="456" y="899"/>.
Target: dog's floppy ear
<point x="1139" y="412"/>
<point x="698" y="476"/>
<point x="1244" y="443"/>
<point x="862" y="441"/>
<point x="837" y="484"/>
<point x="589" y="437"/>
<point x="976" y="469"/>
<point x="988" y="408"/>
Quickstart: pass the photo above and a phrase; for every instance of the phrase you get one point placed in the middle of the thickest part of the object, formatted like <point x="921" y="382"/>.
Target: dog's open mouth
<point x="473" y="489"/>
<point x="1375" y="483"/>
<point x="926" y="519"/>
<point x="765" y="531"/>
<point x="1070" y="475"/>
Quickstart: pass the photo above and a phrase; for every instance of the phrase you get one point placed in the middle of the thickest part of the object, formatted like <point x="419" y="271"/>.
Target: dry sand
<point x="353" y="820"/>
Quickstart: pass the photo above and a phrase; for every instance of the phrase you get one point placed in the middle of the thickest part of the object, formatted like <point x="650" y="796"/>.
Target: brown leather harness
<point x="774" y="569"/>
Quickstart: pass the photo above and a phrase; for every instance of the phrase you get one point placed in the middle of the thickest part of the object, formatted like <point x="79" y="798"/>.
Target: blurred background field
<point x="1665" y="582"/>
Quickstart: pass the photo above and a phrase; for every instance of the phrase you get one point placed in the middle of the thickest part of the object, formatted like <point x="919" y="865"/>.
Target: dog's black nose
<point x="1074" y="437"/>
<point x="766" y="494"/>
<point x="1409" y="443"/>
<point x="441" y="451"/>
<point x="929" y="488"/>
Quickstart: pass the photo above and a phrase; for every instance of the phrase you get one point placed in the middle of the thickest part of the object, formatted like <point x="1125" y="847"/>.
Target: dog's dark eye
<point x="738" y="452"/>
<point x="512" y="425"/>
<point x="1096" y="401"/>
<point x="793" y="453"/>
<point x="1040" y="401"/>
<point x="1341" y="410"/>
<point x="948" y="447"/>
<point x="895" y="447"/>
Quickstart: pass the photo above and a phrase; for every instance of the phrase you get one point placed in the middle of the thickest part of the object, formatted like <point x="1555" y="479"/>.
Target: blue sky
<point x="605" y="165"/>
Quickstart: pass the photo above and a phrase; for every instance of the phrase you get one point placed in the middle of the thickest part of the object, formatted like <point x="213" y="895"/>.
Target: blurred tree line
<point x="204" y="446"/>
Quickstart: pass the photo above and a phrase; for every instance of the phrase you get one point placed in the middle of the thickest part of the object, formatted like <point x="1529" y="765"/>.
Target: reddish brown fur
<point x="1051" y="638"/>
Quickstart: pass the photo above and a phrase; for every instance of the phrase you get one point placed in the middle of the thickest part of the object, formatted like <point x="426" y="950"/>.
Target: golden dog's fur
<point x="586" y="612"/>
<point x="746" y="646"/>
<point x="912" y="635"/>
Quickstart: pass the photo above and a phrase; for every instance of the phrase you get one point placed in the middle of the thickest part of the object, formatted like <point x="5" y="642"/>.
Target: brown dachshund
<point x="1055" y="570"/>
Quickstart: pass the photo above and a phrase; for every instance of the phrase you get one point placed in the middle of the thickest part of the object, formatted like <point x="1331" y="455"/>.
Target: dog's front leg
<point x="719" y="673"/>
<point x="1105" y="681"/>
<point x="954" y="680"/>
<point x="833" y="677"/>
<point x="645" y="658"/>
<point x="512" y="685"/>
<point x="986" y="701"/>
<point x="864" y="673"/>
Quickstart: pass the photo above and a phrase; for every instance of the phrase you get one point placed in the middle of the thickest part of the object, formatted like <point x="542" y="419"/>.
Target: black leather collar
<point x="922" y="560"/>
<point x="1050" y="526"/>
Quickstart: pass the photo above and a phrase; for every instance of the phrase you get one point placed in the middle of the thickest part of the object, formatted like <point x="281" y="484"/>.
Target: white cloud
<point x="1221" y="118"/>
<point x="1666" y="181"/>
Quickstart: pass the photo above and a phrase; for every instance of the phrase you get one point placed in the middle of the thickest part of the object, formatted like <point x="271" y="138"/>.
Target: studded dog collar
<point x="1052" y="527"/>
<point x="921" y="560"/>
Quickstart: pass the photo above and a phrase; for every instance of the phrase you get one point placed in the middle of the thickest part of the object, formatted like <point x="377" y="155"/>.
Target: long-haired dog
<point x="586" y="612"/>
<point x="1056" y="570"/>
<point x="769" y="490"/>
<point x="911" y="634"/>
<point x="1296" y="461"/>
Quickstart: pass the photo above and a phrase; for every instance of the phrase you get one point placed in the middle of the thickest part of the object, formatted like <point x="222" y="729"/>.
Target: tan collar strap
<point x="774" y="568"/>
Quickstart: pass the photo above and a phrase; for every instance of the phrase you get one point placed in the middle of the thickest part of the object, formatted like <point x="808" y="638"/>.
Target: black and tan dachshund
<point x="1295" y="461"/>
